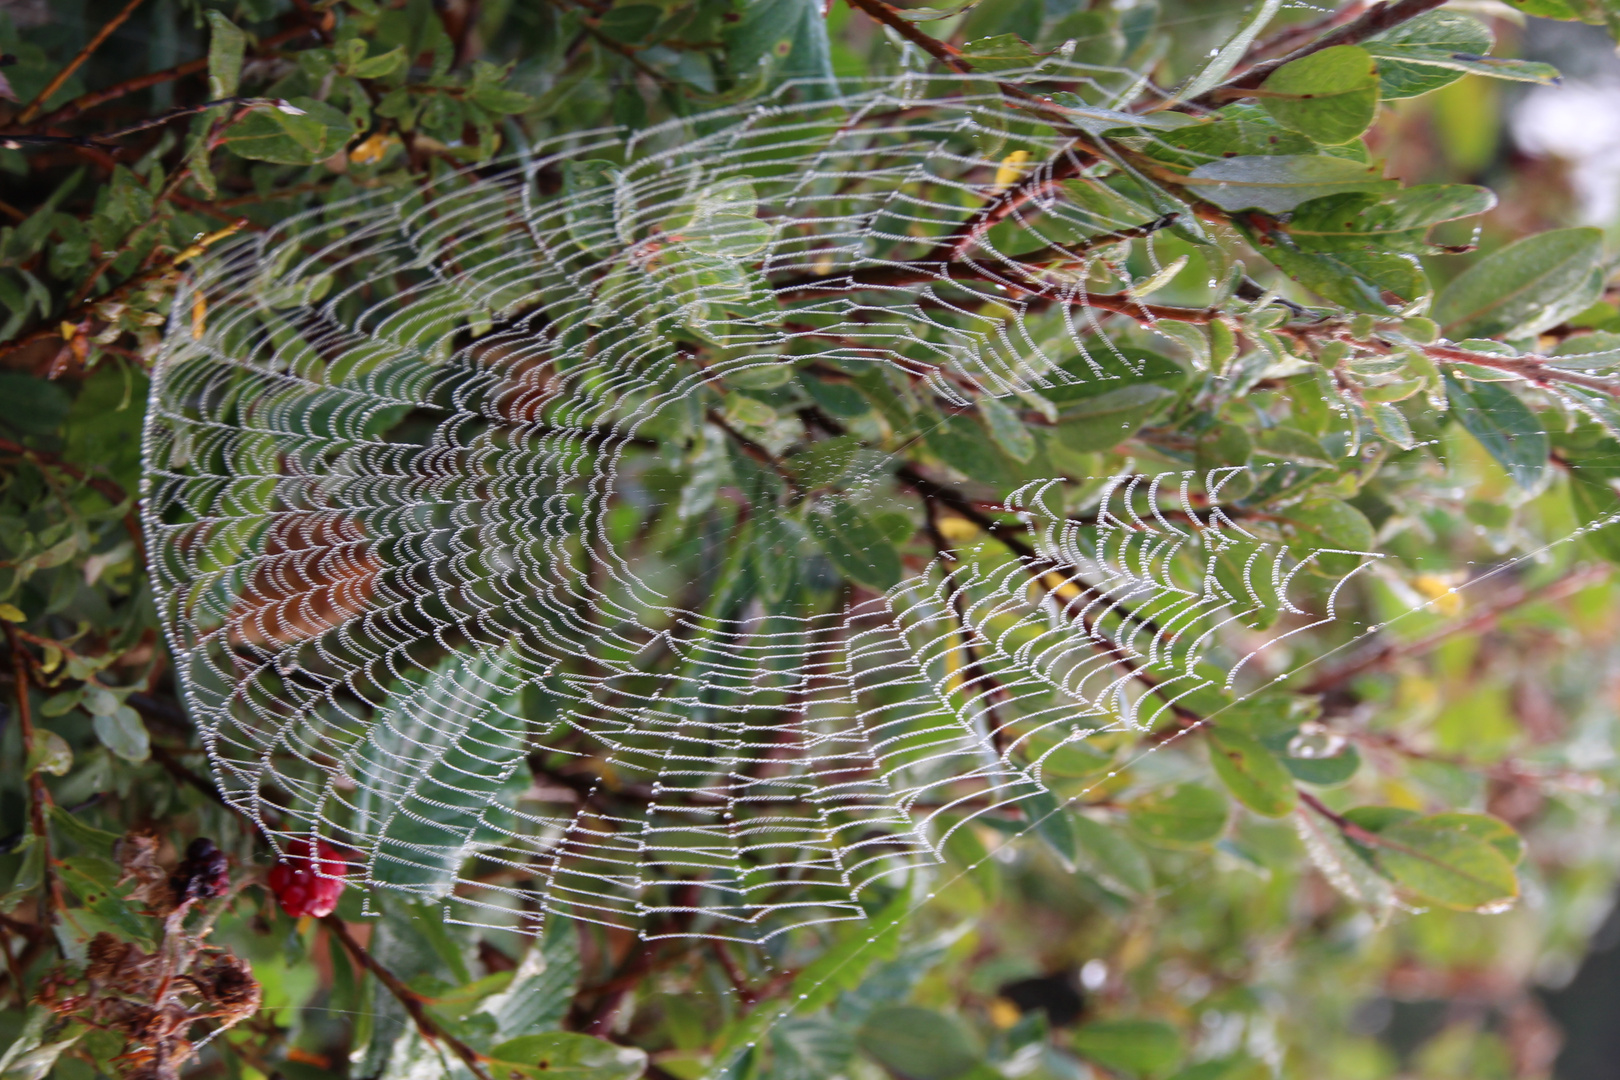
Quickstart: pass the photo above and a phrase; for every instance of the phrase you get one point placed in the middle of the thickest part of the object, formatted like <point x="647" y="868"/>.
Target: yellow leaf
<point x="372" y="149"/>
<point x="1447" y="600"/>
<point x="199" y="316"/>
<point x="1012" y="167"/>
<point x="12" y="613"/>
<point x="1003" y="1013"/>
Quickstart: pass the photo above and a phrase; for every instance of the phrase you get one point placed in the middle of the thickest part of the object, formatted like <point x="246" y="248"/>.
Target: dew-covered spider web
<point x="542" y="536"/>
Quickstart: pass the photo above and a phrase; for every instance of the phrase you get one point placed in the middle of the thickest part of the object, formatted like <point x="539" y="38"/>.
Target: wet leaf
<point x="1504" y="425"/>
<point x="1183" y="816"/>
<point x="564" y="1055"/>
<point x="1524" y="288"/>
<point x="1280" y="183"/>
<point x="918" y="1043"/>
<point x="1252" y="773"/>
<point x="1137" y="1047"/>
<point x="1330" y="95"/>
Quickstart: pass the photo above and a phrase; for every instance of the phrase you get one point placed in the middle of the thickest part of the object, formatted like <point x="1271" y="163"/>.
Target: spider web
<point x="406" y="459"/>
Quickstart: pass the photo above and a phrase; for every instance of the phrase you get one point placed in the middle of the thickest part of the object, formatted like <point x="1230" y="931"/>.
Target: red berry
<point x="308" y="887"/>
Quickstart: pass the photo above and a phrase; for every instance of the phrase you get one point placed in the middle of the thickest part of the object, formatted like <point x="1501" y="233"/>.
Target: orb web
<point x="476" y="563"/>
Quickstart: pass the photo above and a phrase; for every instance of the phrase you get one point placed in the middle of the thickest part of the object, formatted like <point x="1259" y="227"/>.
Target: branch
<point x="81" y="310"/>
<point x="85" y="102"/>
<point x="1532" y="369"/>
<point x="73" y="65"/>
<point x="14" y="140"/>
<point x="410" y="999"/>
<point x="1374" y="21"/>
<point x="107" y="489"/>
<point x="1482" y="619"/>
<point x="902" y="275"/>
<point x="952" y="58"/>
<point x="947" y="260"/>
<point x="39" y="796"/>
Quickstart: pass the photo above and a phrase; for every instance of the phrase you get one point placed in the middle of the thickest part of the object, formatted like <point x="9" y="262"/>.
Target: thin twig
<point x="13" y="140"/>
<point x="39" y="796"/>
<point x="85" y="102"/>
<point x="1486" y="616"/>
<point x="28" y="114"/>
<point x="107" y="489"/>
<point x="413" y="1002"/>
<point x="1375" y="20"/>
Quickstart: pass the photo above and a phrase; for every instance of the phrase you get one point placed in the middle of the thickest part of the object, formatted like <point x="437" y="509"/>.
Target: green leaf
<point x="810" y="1048"/>
<point x="1447" y="863"/>
<point x="1111" y="859"/>
<point x="1524" y="288"/>
<point x="1401" y="221"/>
<point x="589" y="193"/>
<point x="1241" y="129"/>
<point x="1227" y="58"/>
<point x="845" y="964"/>
<point x="91" y="839"/>
<point x="1331" y="95"/>
<point x="440" y="770"/>
<point x="31" y="406"/>
<point x="961" y="444"/>
<point x="226" y="46"/>
<point x="1006" y="428"/>
<point x="724" y="223"/>
<point x="630" y="22"/>
<point x="918" y="1043"/>
<point x="1109" y="418"/>
<point x="1186" y="815"/>
<point x="1376" y="282"/>
<point x="1253" y="774"/>
<point x="1439" y="47"/>
<point x="856" y="546"/>
<point x="788" y="39"/>
<point x="312" y="132"/>
<point x="1345" y="868"/>
<point x="49" y="754"/>
<point x="1595" y="500"/>
<point x="1504" y="425"/>
<point x="564" y="1055"/>
<point x="1493" y="830"/>
<point x="1279" y="183"/>
<point x="379" y="66"/>
<point x="1332" y="531"/>
<point x="1292" y="446"/>
<point x="1137" y="1047"/>
<point x="1052" y="824"/>
<point x="1000" y="52"/>
<point x="1324" y="771"/>
<point x="543" y="985"/>
<point x="30" y="1056"/>
<point x="122" y="732"/>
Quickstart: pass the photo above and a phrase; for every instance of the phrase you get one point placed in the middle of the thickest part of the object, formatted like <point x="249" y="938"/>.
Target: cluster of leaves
<point x="1450" y="430"/>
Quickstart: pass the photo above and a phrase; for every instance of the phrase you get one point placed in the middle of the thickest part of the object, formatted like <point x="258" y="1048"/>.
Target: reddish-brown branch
<point x="28" y="114"/>
<point x="102" y="486"/>
<point x="39" y="796"/>
<point x="85" y="102"/>
<point x="1482" y="619"/>
<point x="412" y="1002"/>
<point x="1532" y="369"/>
<point x="1375" y="20"/>
<point x="1292" y="37"/>
<point x="944" y="52"/>
<point x="918" y="273"/>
